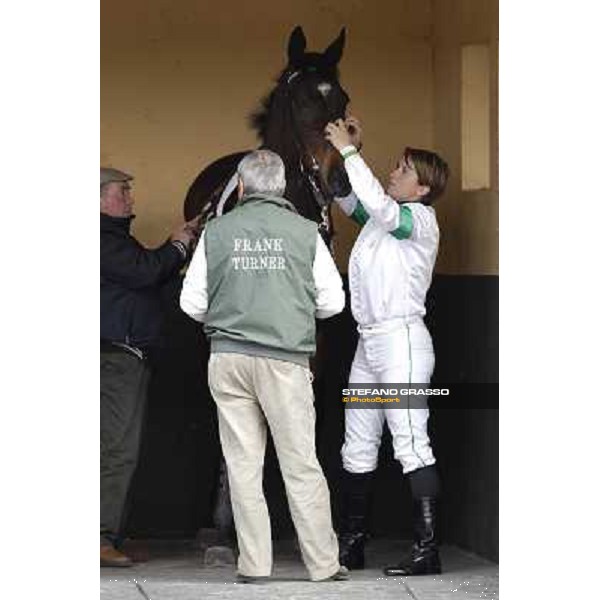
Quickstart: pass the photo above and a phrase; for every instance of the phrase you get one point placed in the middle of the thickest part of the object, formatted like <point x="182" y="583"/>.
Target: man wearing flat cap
<point x="131" y="277"/>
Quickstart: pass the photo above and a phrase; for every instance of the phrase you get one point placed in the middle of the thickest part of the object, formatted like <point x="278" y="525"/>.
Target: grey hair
<point x="262" y="172"/>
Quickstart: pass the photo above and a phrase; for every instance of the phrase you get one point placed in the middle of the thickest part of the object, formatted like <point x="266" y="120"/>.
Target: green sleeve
<point x="405" y="228"/>
<point x="360" y="215"/>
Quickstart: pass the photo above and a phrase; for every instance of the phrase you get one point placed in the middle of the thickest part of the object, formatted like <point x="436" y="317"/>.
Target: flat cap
<point x="108" y="174"/>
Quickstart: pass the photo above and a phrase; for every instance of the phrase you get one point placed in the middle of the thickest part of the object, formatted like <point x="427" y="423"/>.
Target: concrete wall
<point x="179" y="79"/>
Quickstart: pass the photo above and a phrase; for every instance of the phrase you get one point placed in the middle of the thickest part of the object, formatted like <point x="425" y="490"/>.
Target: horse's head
<point x="291" y="122"/>
<point x="292" y="119"/>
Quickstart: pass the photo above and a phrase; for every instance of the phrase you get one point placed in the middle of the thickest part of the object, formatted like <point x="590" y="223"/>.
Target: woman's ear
<point x="423" y="190"/>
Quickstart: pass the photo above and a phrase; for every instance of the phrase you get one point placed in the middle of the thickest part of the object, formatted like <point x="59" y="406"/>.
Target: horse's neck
<point x="299" y="144"/>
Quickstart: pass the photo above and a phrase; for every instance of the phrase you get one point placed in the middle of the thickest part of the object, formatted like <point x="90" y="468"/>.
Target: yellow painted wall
<point x="468" y="219"/>
<point x="178" y="79"/>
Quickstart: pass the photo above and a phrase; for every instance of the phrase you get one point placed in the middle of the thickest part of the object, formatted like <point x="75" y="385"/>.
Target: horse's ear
<point x="334" y="51"/>
<point x="296" y="46"/>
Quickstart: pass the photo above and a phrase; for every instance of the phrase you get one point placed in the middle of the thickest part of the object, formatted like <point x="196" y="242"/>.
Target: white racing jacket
<point x="392" y="260"/>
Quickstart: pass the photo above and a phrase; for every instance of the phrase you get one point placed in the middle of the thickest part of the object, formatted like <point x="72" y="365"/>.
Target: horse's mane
<point x="274" y="125"/>
<point x="258" y="119"/>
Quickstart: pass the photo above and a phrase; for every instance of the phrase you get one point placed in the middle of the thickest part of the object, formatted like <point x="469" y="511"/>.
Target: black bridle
<point x="312" y="174"/>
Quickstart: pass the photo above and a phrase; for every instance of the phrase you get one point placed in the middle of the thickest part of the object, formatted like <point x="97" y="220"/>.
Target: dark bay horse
<point x="290" y="121"/>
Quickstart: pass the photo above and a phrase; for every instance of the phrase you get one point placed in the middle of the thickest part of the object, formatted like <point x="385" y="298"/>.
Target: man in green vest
<point x="260" y="276"/>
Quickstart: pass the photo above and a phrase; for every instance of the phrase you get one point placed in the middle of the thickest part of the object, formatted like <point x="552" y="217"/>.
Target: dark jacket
<point x="130" y="280"/>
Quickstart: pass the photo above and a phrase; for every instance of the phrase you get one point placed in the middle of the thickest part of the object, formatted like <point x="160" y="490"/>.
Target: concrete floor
<point x="176" y="571"/>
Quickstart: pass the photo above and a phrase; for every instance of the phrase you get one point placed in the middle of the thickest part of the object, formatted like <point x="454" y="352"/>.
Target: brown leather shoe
<point x="136" y="550"/>
<point x="111" y="557"/>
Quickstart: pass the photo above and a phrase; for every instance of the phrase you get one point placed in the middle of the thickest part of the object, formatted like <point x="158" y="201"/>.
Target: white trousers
<point x="251" y="392"/>
<point x="393" y="352"/>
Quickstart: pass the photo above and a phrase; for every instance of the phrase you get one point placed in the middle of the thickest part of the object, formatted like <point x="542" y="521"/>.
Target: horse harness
<point x="312" y="174"/>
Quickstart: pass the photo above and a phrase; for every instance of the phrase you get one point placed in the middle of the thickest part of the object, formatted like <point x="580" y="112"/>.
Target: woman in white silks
<point x="389" y="273"/>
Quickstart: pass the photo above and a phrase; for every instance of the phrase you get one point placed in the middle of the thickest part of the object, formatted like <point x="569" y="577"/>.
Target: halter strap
<point x="311" y="176"/>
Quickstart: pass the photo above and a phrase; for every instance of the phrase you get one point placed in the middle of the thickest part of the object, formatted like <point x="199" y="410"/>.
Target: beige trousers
<point x="251" y="392"/>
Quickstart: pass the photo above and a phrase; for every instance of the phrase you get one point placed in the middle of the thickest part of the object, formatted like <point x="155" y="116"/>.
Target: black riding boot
<point x="424" y="558"/>
<point x="357" y="491"/>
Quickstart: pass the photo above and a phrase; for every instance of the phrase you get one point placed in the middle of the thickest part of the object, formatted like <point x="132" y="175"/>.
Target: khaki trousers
<point x="251" y="392"/>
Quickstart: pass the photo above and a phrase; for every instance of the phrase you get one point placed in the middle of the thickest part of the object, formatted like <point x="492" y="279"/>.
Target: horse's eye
<point x="324" y="88"/>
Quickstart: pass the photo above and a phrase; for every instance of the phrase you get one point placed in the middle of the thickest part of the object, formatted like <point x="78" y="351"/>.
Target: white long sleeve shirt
<point x="392" y="261"/>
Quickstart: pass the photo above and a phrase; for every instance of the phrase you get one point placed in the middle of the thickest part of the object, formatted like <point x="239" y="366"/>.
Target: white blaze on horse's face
<point x="324" y="89"/>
